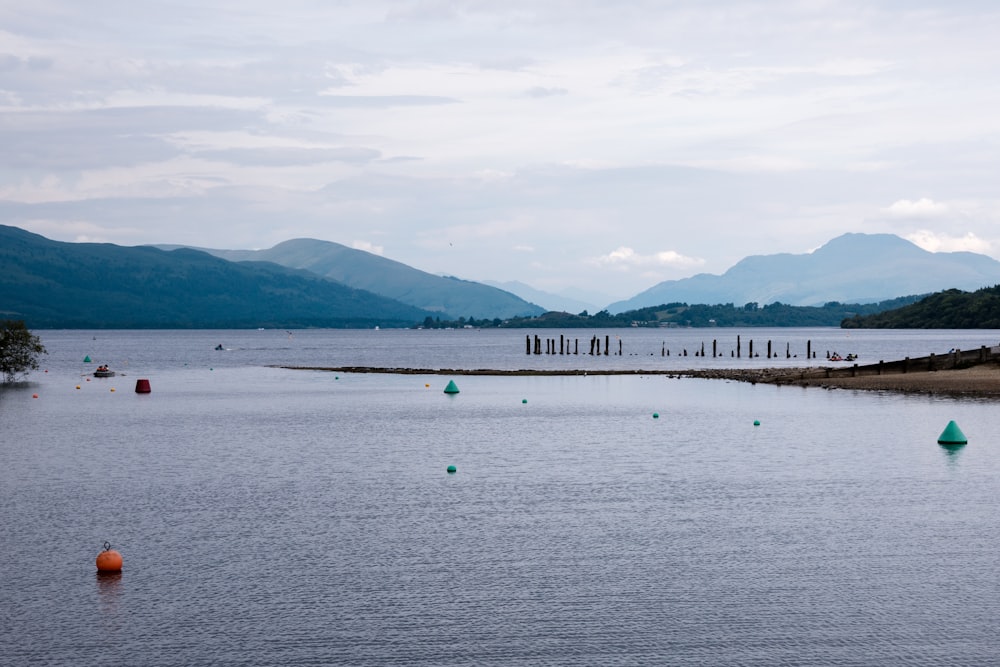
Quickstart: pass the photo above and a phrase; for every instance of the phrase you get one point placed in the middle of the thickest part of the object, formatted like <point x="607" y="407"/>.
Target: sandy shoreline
<point x="980" y="380"/>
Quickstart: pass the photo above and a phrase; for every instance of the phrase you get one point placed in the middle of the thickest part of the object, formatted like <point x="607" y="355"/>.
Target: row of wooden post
<point x="550" y="345"/>
<point x="535" y="347"/>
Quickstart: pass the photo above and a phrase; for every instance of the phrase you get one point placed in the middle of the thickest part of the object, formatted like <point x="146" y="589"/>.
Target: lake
<point x="270" y="516"/>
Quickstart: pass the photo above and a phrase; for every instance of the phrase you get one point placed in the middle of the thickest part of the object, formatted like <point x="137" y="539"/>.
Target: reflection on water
<point x="952" y="452"/>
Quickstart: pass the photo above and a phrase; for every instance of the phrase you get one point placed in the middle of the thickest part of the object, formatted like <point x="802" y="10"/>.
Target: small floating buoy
<point x="86" y="359"/>
<point x="452" y="388"/>
<point x="656" y="415"/>
<point x="952" y="435"/>
<point x="34" y="395"/>
<point x="756" y="422"/>
<point x="427" y="385"/>
<point x="142" y="386"/>
<point x="109" y="560"/>
<point x="452" y="469"/>
<point x="77" y="386"/>
<point x="336" y="377"/>
<point x="112" y="389"/>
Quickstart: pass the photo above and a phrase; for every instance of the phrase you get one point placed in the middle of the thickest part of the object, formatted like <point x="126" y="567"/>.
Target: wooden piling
<point x="607" y="345"/>
<point x="527" y="343"/>
<point x="768" y="349"/>
<point x="714" y="347"/>
<point x="809" y="345"/>
<point x="560" y="343"/>
<point x="738" y="347"/>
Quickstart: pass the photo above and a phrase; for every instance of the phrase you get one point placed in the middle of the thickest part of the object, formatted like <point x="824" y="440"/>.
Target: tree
<point x="19" y="350"/>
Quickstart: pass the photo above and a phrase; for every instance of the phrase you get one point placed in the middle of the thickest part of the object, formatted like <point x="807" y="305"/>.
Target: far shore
<point x="977" y="380"/>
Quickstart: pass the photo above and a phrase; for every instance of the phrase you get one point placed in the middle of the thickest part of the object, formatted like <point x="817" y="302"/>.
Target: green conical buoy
<point x="756" y="422"/>
<point x="952" y="435"/>
<point x="452" y="469"/>
<point x="656" y="415"/>
<point x="452" y="388"/>
<point x="86" y="359"/>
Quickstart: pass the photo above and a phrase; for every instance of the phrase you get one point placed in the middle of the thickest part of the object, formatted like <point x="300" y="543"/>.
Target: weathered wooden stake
<point x="527" y="343"/>
<point x="607" y="345"/>
<point x="714" y="346"/>
<point x="738" y="346"/>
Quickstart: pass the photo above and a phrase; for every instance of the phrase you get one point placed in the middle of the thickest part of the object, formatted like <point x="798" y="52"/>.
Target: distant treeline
<point x="951" y="309"/>
<point x="752" y="314"/>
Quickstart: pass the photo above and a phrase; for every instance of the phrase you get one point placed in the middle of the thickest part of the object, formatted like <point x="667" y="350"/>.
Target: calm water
<point x="270" y="516"/>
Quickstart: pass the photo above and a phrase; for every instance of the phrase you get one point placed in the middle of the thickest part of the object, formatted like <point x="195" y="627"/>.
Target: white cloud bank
<point x="625" y="258"/>
<point x="938" y="242"/>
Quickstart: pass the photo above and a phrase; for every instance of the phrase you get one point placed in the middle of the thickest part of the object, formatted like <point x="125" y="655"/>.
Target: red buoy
<point x="109" y="560"/>
<point x="142" y="387"/>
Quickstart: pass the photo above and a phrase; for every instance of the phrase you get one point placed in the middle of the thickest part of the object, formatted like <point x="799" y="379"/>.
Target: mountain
<point x="547" y="300"/>
<point x="853" y="268"/>
<point x="50" y="284"/>
<point x="449" y="298"/>
<point x="951" y="309"/>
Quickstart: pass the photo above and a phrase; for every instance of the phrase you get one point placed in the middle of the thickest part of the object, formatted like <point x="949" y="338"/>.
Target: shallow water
<point x="269" y="516"/>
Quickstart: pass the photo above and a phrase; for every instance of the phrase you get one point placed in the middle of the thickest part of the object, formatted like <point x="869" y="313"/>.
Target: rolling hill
<point x="450" y="298"/>
<point x="51" y="284"/>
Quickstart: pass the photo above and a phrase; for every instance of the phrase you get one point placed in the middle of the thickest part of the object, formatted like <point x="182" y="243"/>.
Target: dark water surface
<point x="271" y="517"/>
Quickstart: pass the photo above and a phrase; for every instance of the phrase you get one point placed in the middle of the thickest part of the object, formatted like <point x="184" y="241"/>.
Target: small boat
<point x="104" y="372"/>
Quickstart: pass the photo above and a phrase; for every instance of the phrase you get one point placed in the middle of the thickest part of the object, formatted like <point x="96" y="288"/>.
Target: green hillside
<point x="448" y="297"/>
<point x="951" y="309"/>
<point x="50" y="284"/>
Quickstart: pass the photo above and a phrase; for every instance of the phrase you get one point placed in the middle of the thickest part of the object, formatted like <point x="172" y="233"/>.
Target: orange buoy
<point x="34" y="395"/>
<point x="109" y="560"/>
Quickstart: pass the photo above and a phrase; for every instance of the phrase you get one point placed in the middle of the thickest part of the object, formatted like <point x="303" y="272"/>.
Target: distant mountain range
<point x="447" y="297"/>
<point x="853" y="268"/>
<point x="311" y="283"/>
<point x="564" y="302"/>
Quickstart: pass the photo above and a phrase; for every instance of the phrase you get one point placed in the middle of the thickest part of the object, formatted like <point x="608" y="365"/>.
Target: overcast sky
<point x="601" y="145"/>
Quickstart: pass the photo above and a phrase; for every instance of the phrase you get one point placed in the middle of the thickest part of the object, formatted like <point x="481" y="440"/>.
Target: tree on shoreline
<point x="19" y="350"/>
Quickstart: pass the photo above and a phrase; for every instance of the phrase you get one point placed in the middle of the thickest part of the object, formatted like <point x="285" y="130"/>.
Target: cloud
<point x="937" y="242"/>
<point x="367" y="246"/>
<point x="625" y="258"/>
<point x="541" y="91"/>
<point x="921" y="208"/>
<point x="290" y="156"/>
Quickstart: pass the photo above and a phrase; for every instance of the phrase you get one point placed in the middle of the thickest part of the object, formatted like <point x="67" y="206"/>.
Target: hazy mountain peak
<point x="851" y="268"/>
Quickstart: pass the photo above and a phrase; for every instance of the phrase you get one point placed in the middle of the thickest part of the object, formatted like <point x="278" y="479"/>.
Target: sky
<point x="586" y="145"/>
